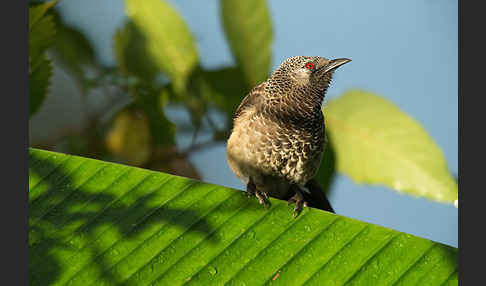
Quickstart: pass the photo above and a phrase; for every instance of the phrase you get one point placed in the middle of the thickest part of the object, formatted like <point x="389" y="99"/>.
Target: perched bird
<point x="278" y="136"/>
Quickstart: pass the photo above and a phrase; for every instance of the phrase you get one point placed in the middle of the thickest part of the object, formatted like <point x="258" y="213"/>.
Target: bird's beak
<point x="333" y="64"/>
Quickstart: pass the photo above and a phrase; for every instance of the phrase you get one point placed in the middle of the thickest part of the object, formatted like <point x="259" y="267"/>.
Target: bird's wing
<point x="253" y="96"/>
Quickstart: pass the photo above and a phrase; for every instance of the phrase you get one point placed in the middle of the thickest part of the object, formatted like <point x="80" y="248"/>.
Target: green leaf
<point x="376" y="143"/>
<point x="129" y="137"/>
<point x="41" y="32"/>
<point x="104" y="223"/>
<point x="248" y="27"/>
<point x="327" y="169"/>
<point x="168" y="39"/>
<point x="162" y="129"/>
<point x="132" y="54"/>
<point x="73" y="50"/>
<point x="39" y="81"/>
<point x="41" y="36"/>
<point x="38" y="10"/>
<point x="225" y="88"/>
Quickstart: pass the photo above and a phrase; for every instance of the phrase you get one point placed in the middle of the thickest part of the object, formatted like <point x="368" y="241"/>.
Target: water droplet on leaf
<point x="212" y="270"/>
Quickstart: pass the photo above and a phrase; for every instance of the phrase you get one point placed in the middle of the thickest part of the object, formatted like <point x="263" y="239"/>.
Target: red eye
<point x="309" y="66"/>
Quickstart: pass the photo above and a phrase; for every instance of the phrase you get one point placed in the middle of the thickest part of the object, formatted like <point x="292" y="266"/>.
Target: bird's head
<point x="307" y="72"/>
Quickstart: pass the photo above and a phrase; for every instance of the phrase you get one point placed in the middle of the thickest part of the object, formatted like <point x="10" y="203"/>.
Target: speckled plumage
<point x="278" y="137"/>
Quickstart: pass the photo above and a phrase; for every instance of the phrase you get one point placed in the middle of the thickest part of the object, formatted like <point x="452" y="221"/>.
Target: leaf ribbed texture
<point x="99" y="223"/>
<point x="376" y="143"/>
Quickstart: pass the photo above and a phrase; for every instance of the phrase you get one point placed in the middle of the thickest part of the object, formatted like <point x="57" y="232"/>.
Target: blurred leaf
<point x="377" y="143"/>
<point x="327" y="170"/>
<point x="37" y="10"/>
<point x="73" y="49"/>
<point x="41" y="36"/>
<point x="197" y="109"/>
<point x="39" y="81"/>
<point x="192" y="100"/>
<point x="195" y="102"/>
<point x="169" y="41"/>
<point x="248" y="27"/>
<point x="99" y="223"/>
<point x="129" y="138"/>
<point x="161" y="128"/>
<point x="41" y="33"/>
<point x="132" y="54"/>
<point x="88" y="143"/>
<point x="170" y="160"/>
<point x="225" y="88"/>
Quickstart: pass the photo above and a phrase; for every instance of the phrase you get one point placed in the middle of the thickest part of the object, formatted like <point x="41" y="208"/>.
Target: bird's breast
<point x="261" y="145"/>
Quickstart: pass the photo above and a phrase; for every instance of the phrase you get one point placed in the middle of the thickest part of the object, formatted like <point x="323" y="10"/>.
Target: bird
<point x="278" y="137"/>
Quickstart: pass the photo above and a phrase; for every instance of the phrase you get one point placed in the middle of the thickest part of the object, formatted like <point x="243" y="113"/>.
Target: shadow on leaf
<point x="69" y="222"/>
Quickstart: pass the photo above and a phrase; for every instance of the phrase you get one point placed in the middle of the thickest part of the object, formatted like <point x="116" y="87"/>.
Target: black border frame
<point x="15" y="142"/>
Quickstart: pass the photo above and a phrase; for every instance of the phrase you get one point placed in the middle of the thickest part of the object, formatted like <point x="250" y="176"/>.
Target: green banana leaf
<point x="99" y="223"/>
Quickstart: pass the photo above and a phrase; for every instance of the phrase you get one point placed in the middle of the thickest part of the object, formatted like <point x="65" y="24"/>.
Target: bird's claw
<point x="262" y="196"/>
<point x="299" y="201"/>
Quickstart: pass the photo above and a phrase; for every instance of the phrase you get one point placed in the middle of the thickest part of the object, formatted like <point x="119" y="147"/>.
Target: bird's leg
<point x="251" y="189"/>
<point x="298" y="199"/>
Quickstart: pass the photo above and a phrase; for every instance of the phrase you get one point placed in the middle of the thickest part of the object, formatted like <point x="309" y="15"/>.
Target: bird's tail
<point x="316" y="198"/>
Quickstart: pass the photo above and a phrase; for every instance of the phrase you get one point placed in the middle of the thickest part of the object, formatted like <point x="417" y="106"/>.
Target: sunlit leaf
<point x="168" y="39"/>
<point x="37" y="10"/>
<point x="248" y="28"/>
<point x="92" y="222"/>
<point x="376" y="143"/>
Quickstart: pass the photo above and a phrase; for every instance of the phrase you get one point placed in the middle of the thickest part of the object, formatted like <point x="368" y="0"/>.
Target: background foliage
<point x="158" y="66"/>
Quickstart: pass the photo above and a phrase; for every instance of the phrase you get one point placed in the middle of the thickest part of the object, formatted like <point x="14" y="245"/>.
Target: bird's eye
<point x="309" y="65"/>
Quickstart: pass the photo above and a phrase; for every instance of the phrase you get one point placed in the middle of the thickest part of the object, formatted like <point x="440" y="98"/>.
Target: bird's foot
<point x="261" y="196"/>
<point x="299" y="201"/>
